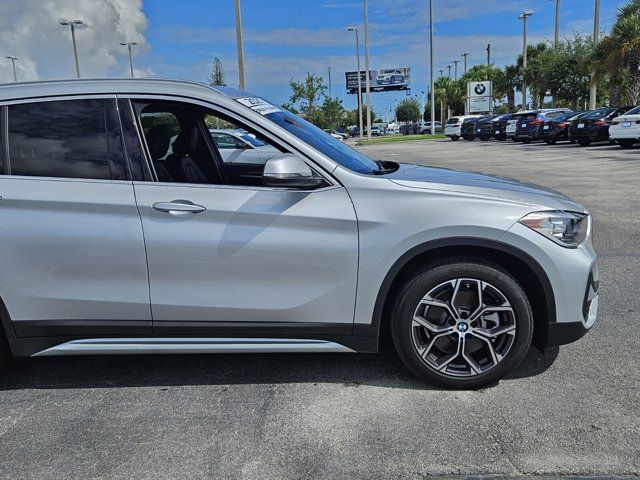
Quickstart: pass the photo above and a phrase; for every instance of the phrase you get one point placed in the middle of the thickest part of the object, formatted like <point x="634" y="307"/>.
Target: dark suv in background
<point x="528" y="125"/>
<point x="468" y="129"/>
<point x="485" y="127"/>
<point x="594" y="127"/>
<point x="556" y="129"/>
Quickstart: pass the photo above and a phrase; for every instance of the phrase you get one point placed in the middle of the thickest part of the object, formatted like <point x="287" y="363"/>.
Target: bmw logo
<point x="480" y="88"/>
<point x="462" y="327"/>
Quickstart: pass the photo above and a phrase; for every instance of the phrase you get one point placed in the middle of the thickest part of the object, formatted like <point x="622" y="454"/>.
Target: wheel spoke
<point x="494" y="332"/>
<point x="490" y="309"/>
<point x="433" y="341"/>
<point x="442" y="366"/>
<point x="475" y="368"/>
<point x="423" y="322"/>
<point x="495" y="357"/>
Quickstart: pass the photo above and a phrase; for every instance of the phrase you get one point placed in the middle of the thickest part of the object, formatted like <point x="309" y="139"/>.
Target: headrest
<point x="158" y="140"/>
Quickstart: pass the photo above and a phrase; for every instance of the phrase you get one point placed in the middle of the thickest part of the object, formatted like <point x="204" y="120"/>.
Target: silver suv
<point x="125" y="230"/>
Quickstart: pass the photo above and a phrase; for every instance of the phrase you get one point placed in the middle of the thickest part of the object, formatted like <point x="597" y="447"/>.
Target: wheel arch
<point x="518" y="263"/>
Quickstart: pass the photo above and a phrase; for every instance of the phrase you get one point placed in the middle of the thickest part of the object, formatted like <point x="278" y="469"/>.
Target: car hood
<point x="437" y="178"/>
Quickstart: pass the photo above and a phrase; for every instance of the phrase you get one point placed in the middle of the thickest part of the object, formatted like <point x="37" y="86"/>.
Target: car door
<point x="223" y="255"/>
<point x="72" y="248"/>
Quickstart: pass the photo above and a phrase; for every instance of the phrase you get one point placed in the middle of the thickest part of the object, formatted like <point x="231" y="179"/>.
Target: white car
<point x="390" y="77"/>
<point x="335" y="134"/>
<point x="452" y="128"/>
<point x="238" y="146"/>
<point x="625" y="129"/>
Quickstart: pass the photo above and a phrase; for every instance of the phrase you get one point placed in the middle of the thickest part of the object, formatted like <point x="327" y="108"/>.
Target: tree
<point x="333" y="114"/>
<point x="537" y="56"/>
<point x="408" y="110"/>
<point x="568" y="71"/>
<point x="216" y="77"/>
<point x="617" y="56"/>
<point x="308" y="94"/>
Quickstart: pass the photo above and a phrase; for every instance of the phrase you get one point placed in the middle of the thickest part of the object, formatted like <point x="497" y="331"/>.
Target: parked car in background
<point x="425" y="127"/>
<point x="594" y="127"/>
<point x="557" y="129"/>
<point x="453" y="126"/>
<point x="485" y="127"/>
<point x="512" y="123"/>
<point x="499" y="126"/>
<point x="468" y="128"/>
<point x="239" y="146"/>
<point x="334" y="134"/>
<point x="625" y="129"/>
<point x="528" y="124"/>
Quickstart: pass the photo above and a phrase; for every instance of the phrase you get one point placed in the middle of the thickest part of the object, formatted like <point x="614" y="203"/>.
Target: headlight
<point x="568" y="229"/>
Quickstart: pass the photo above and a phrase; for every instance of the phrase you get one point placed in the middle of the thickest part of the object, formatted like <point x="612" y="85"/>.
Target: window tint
<point x="225" y="140"/>
<point x="67" y="139"/>
<point x="601" y="112"/>
<point x="633" y="111"/>
<point x="452" y="121"/>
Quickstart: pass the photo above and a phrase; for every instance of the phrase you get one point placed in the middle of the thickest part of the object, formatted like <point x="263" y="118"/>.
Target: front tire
<point x="584" y="143"/>
<point x="455" y="139"/>
<point x="461" y="323"/>
<point x="626" y="143"/>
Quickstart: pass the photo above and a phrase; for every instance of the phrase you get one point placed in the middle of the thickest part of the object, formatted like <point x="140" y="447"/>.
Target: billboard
<point x="380" y="80"/>
<point x="479" y="97"/>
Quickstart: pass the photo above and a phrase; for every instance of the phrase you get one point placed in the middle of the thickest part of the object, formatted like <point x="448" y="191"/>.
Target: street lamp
<point x="465" y="55"/>
<point x="240" y="46"/>
<point x="596" y="26"/>
<point x="449" y="67"/>
<point x="129" y="45"/>
<point x="441" y="71"/>
<point x="366" y="67"/>
<point x="432" y="97"/>
<point x="456" y="62"/>
<point x="13" y="65"/>
<point x="355" y="29"/>
<point x="523" y="16"/>
<point x="72" y="24"/>
<point x="329" y="68"/>
<point x="556" y="37"/>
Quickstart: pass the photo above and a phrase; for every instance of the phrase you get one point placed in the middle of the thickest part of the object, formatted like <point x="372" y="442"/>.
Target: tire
<point x="514" y="139"/>
<point x="626" y="143"/>
<point x="550" y="142"/>
<point x="455" y="139"/>
<point x="5" y="353"/>
<point x="526" y="141"/>
<point x="484" y="139"/>
<point x="584" y="143"/>
<point x="572" y="140"/>
<point x="407" y="333"/>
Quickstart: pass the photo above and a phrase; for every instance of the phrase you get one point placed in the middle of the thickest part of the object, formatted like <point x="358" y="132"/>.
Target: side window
<point x="190" y="144"/>
<point x="66" y="139"/>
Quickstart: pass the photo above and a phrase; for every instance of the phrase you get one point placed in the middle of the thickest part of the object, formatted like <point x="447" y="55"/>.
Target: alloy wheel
<point x="463" y="327"/>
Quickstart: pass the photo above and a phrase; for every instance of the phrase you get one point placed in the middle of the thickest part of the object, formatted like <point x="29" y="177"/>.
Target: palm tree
<point x="510" y="80"/>
<point x="617" y="56"/>
<point x="537" y="55"/>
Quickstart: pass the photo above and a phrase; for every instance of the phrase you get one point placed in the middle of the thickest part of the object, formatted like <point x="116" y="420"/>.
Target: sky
<point x="283" y="39"/>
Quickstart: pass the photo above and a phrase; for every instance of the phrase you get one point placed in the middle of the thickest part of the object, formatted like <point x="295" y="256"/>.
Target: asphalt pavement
<point x="573" y="410"/>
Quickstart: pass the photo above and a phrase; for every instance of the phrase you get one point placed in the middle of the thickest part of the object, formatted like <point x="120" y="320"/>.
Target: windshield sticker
<point x="259" y="105"/>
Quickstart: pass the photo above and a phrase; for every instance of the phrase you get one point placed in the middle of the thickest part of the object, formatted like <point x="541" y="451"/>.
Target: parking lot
<point x="570" y="410"/>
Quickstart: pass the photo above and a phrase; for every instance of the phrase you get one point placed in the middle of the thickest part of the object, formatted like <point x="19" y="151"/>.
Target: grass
<point x="398" y="138"/>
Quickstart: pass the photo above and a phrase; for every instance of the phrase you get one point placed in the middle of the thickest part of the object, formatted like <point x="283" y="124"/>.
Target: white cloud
<point x="29" y="29"/>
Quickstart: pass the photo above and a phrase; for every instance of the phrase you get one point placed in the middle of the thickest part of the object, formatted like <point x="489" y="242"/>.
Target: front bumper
<point x="574" y="278"/>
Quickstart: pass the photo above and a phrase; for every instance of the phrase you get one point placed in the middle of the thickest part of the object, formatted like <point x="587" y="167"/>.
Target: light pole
<point x="13" y="65"/>
<point x="355" y="29"/>
<point x="329" y="68"/>
<point x="465" y="55"/>
<point x="432" y="94"/>
<point x="556" y="37"/>
<point x="72" y="24"/>
<point x="523" y="16"/>
<point x="449" y="67"/>
<point x="596" y="27"/>
<point x="441" y="71"/>
<point x="366" y="67"/>
<point x="456" y="62"/>
<point x="241" y="81"/>
<point x="129" y="45"/>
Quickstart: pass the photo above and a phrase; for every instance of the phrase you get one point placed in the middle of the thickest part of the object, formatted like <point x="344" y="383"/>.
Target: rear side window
<point x="453" y="121"/>
<point x="68" y="139"/>
<point x="633" y="111"/>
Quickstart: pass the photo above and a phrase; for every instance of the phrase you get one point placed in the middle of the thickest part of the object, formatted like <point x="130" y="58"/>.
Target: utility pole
<point x="557" y="34"/>
<point x="329" y="68"/>
<point x="129" y="45"/>
<point x="465" y="55"/>
<point x="241" y="79"/>
<point x="456" y="62"/>
<point x="523" y="16"/>
<point x="72" y="24"/>
<point x="366" y="66"/>
<point x="596" y="27"/>
<point x="13" y="65"/>
<point x="355" y="29"/>
<point x="488" y="54"/>
<point x="449" y="67"/>
<point x="432" y="95"/>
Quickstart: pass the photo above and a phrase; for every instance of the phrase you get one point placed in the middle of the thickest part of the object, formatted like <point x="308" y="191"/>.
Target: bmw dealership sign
<point x="479" y="97"/>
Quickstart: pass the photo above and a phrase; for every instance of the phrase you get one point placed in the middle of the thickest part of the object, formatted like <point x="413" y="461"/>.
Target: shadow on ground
<point x="381" y="370"/>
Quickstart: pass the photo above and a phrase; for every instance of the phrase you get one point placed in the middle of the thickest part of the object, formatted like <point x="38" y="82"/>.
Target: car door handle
<point x="178" y="207"/>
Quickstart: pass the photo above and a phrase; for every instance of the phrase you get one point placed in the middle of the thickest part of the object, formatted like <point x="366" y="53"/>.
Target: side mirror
<point x="288" y="170"/>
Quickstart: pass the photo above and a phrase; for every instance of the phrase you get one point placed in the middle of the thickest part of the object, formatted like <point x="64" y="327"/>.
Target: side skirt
<point x="123" y="346"/>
